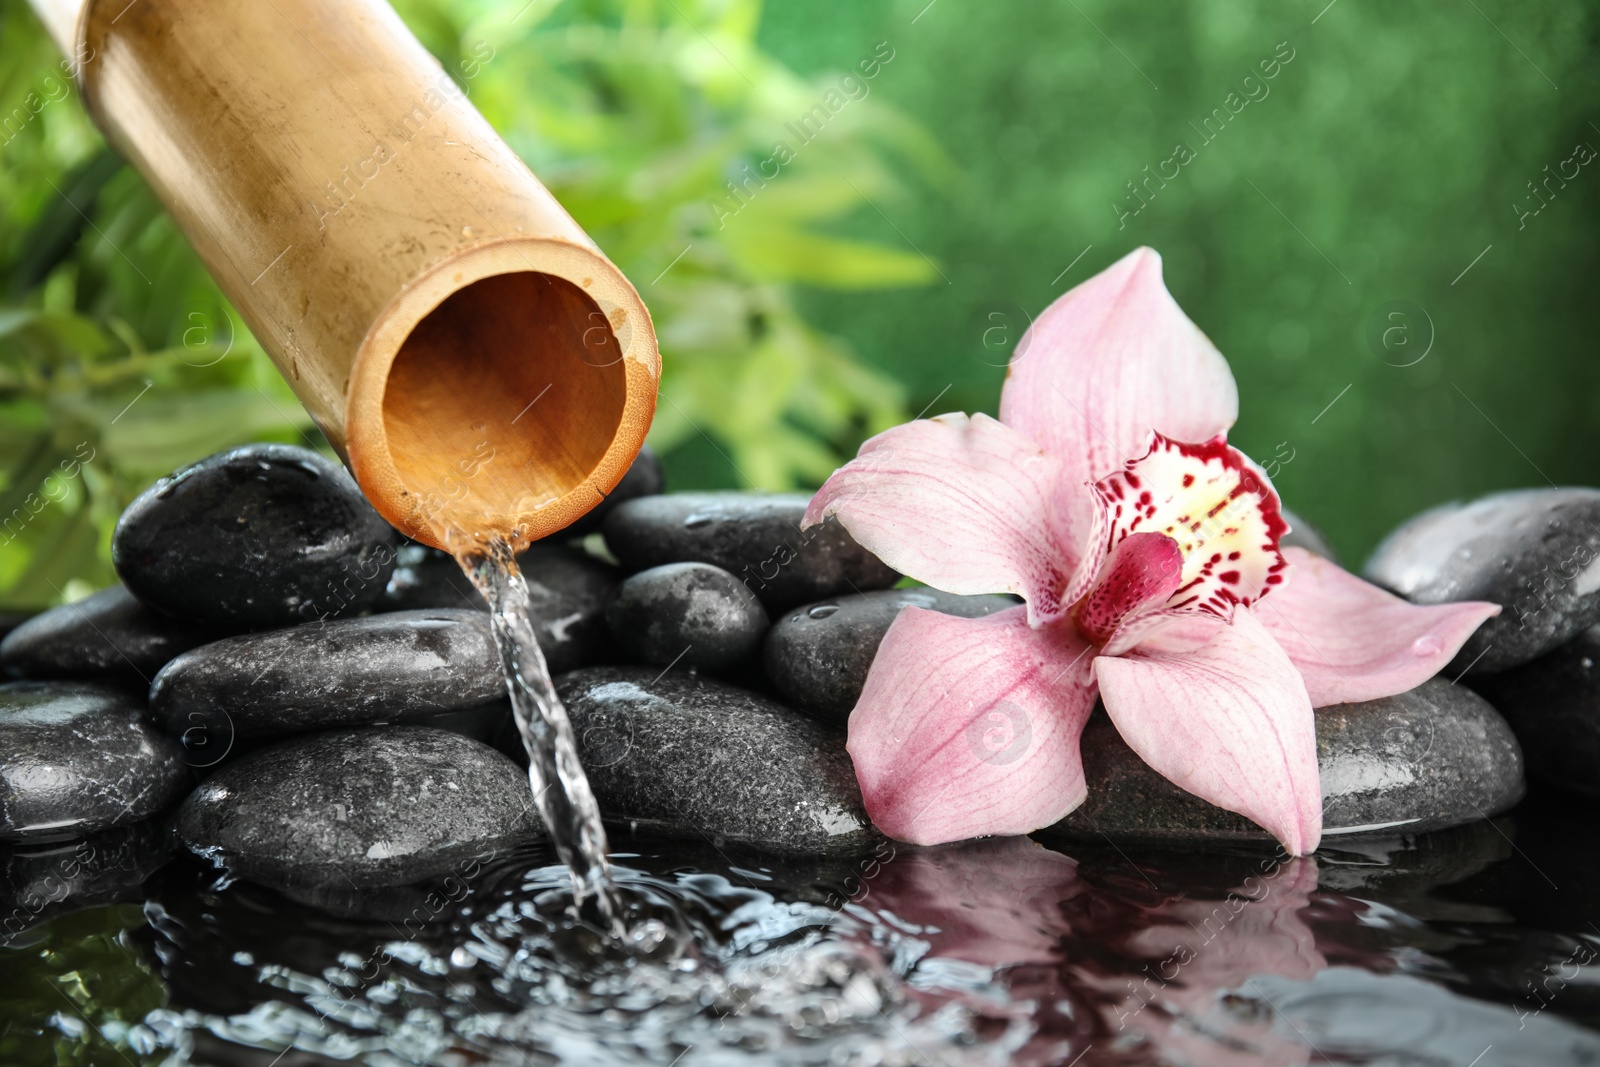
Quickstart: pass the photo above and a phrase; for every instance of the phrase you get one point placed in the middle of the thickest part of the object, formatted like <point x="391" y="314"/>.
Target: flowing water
<point x="1474" y="947"/>
<point x="560" y="788"/>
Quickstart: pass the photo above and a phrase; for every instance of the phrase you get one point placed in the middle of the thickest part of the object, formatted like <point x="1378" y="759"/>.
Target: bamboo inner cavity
<point x="503" y="398"/>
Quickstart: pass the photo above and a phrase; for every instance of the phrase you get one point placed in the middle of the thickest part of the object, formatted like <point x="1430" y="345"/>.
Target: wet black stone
<point x="397" y="667"/>
<point x="108" y="634"/>
<point x="1435" y="757"/>
<point x="1304" y="535"/>
<point x="644" y="478"/>
<point x="259" y="536"/>
<point x="693" y="615"/>
<point x="1553" y="706"/>
<point x="40" y="881"/>
<point x="360" y="808"/>
<point x="483" y="723"/>
<point x="427" y="578"/>
<point x="79" y="757"/>
<point x="1535" y="552"/>
<point x="755" y="536"/>
<point x="10" y="620"/>
<point x="688" y="756"/>
<point x="568" y="589"/>
<point x="817" y="656"/>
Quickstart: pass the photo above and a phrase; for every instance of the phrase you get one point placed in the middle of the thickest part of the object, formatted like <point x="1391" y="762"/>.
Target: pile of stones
<point x="285" y="686"/>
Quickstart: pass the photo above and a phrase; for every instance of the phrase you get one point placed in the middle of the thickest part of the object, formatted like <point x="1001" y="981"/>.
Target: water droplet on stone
<point x="822" y="611"/>
<point x="1586" y="663"/>
<point x="694" y="522"/>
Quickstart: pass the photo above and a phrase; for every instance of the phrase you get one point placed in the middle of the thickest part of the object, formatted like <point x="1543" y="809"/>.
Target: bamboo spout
<point x="480" y="364"/>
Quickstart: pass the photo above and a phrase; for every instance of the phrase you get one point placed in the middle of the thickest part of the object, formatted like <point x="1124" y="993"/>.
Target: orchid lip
<point x="1190" y="529"/>
<point x="1143" y="570"/>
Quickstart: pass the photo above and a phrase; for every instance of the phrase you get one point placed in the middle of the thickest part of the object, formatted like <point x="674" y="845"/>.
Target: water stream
<point x="560" y="788"/>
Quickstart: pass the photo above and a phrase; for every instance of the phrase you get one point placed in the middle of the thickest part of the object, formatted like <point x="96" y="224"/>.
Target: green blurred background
<point x="1409" y="318"/>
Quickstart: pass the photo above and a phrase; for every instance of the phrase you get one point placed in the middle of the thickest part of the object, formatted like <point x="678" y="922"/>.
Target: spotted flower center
<point x="1190" y="530"/>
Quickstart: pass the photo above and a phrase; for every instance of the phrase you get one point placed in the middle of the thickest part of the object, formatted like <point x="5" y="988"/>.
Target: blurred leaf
<point x="779" y="254"/>
<point x="638" y="114"/>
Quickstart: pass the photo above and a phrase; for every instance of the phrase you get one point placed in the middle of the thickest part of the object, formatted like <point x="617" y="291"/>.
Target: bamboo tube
<point x="466" y="347"/>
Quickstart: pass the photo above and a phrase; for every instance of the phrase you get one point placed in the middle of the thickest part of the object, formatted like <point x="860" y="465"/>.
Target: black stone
<point x="1435" y="757"/>
<point x="40" y="881"/>
<point x="756" y="536"/>
<point x="398" y="667"/>
<point x="644" y="478"/>
<point x="256" y="537"/>
<point x="817" y="656"/>
<point x="79" y="757"/>
<point x="567" y="588"/>
<point x="1535" y="552"/>
<point x="1553" y="706"/>
<point x="1304" y="535"/>
<point x="108" y="634"/>
<point x="425" y="578"/>
<point x="360" y="808"/>
<point x="694" y="615"/>
<point x="688" y="756"/>
<point x="484" y="723"/>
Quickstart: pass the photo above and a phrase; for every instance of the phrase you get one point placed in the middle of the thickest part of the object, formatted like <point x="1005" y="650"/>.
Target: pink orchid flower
<point x="1147" y="552"/>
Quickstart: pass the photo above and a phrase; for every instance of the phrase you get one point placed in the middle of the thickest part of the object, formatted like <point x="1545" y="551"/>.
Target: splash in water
<point x="560" y="788"/>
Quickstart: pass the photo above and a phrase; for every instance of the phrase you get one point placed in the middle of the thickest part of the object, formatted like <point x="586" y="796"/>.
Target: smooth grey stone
<point x="1435" y="757"/>
<point x="362" y="808"/>
<point x="79" y="757"/>
<point x="483" y="723"/>
<point x="685" y="755"/>
<point x="40" y="881"/>
<point x="398" y="667"/>
<point x="1553" y="706"/>
<point x="756" y="536"/>
<point x="259" y="536"/>
<point x="1535" y="552"/>
<point x="694" y="615"/>
<point x="428" y="578"/>
<point x="1304" y="535"/>
<point x="817" y="656"/>
<point x="568" y="590"/>
<point x="644" y="478"/>
<point x="108" y="634"/>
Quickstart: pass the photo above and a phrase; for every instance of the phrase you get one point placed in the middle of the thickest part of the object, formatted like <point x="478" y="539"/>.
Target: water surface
<point x="1475" y="947"/>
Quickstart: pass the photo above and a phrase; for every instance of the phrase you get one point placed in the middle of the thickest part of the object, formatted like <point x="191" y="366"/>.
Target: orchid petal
<point x="962" y="504"/>
<point x="969" y="727"/>
<point x="1103" y="366"/>
<point x="1230" y="722"/>
<point x="1353" y="641"/>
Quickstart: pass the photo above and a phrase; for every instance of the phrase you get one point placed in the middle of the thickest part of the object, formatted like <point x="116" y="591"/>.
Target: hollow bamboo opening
<point x="509" y="392"/>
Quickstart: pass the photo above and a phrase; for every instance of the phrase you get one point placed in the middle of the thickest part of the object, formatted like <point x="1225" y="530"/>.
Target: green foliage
<point x="76" y="991"/>
<point x="119" y="360"/>
<point x="1393" y="145"/>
